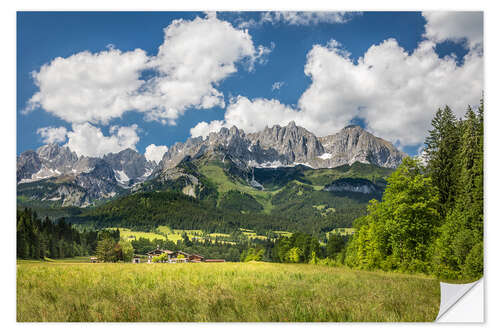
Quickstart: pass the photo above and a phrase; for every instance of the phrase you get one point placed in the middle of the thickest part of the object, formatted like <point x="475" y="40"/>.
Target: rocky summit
<point x="288" y="146"/>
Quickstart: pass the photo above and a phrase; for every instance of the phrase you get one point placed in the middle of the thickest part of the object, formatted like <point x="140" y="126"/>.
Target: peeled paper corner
<point x="462" y="302"/>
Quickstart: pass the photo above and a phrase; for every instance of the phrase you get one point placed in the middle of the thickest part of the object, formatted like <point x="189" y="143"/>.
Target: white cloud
<point x="155" y="153"/>
<point x="254" y="115"/>
<point x="299" y="18"/>
<point x="454" y="26"/>
<point x="88" y="140"/>
<point x="194" y="58"/>
<point x="249" y="115"/>
<point x="394" y="92"/>
<point x="52" y="134"/>
<point x="307" y="18"/>
<point x="203" y="128"/>
<point x="277" y="85"/>
<point x="94" y="87"/>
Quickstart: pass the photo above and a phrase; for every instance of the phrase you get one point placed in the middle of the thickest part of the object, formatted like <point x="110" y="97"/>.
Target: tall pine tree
<point x="458" y="251"/>
<point x="441" y="148"/>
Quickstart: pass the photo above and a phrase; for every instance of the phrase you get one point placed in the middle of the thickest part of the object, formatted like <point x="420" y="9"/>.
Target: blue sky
<point x="418" y="51"/>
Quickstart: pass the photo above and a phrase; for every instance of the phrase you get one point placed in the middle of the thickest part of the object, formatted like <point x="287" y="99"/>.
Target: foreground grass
<point x="219" y="292"/>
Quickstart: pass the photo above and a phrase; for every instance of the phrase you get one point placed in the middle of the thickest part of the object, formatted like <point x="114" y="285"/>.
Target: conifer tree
<point x="457" y="252"/>
<point x="441" y="148"/>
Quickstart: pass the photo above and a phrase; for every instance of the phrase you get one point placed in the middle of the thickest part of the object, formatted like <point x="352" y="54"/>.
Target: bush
<point x="295" y="255"/>
<point x="252" y="254"/>
<point x="161" y="258"/>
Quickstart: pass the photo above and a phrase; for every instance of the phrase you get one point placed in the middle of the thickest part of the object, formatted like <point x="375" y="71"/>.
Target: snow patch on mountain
<point x="271" y="165"/>
<point x="121" y="177"/>
<point x="325" y="156"/>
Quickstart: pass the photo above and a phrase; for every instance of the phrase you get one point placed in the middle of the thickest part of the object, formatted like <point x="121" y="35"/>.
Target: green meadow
<point x="60" y="291"/>
<point x="165" y="232"/>
<point x="215" y="172"/>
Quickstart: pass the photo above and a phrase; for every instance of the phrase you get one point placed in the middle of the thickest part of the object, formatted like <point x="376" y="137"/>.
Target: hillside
<point x="215" y="196"/>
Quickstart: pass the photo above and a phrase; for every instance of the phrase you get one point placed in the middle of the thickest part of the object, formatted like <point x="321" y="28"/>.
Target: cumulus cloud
<point x="155" y="153"/>
<point x="195" y="56"/>
<point x="454" y="26"/>
<point x="52" y="134"/>
<point x="396" y="93"/>
<point x="203" y="128"/>
<point x="90" y="87"/>
<point x="193" y="59"/>
<point x="249" y="115"/>
<point x="88" y="140"/>
<point x="277" y="85"/>
<point x="299" y="18"/>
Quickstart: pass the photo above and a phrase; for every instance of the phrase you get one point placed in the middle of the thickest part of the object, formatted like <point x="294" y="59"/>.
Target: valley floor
<point x="248" y="292"/>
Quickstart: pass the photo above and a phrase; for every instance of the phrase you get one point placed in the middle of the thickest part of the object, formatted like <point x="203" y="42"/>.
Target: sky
<point x="100" y="82"/>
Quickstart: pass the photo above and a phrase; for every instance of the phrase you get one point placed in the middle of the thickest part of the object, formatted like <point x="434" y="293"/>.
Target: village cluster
<point x="166" y="256"/>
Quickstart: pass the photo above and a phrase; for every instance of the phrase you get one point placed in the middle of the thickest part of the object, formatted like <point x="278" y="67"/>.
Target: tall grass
<point x="219" y="292"/>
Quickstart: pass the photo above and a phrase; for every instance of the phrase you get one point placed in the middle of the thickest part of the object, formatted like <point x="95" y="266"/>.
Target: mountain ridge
<point x="291" y="145"/>
<point x="82" y="180"/>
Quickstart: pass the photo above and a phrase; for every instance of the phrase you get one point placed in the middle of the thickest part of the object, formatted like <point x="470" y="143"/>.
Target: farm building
<point x="176" y="257"/>
<point x="179" y="256"/>
<point x="196" y="258"/>
<point x="178" y="260"/>
<point x="157" y="252"/>
<point x="136" y="260"/>
<point x="93" y="259"/>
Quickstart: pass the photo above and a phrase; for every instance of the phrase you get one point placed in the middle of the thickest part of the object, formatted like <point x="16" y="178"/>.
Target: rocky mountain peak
<point x="48" y="151"/>
<point x="353" y="143"/>
<point x="288" y="146"/>
<point x="234" y="131"/>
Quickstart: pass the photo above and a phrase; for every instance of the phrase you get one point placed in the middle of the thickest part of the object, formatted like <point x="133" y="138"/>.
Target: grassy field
<point x="253" y="235"/>
<point x="131" y="235"/>
<point x="64" y="291"/>
<point x="283" y="233"/>
<point x="342" y="231"/>
<point x="165" y="232"/>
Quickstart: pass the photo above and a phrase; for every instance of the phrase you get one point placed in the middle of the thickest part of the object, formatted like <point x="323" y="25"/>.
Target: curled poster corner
<point x="455" y="302"/>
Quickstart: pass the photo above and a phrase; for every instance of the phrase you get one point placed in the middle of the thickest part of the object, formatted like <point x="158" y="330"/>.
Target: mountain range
<point x="58" y="176"/>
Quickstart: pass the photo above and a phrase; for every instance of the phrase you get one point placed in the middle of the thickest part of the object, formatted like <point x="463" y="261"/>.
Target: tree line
<point x="298" y="248"/>
<point x="430" y="218"/>
<point x="39" y="238"/>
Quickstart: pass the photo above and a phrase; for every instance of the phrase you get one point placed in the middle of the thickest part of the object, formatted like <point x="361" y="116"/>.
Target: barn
<point x="196" y="258"/>
<point x="157" y="252"/>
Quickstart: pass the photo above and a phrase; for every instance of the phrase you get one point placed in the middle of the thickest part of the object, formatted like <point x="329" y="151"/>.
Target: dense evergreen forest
<point x="430" y="218"/>
<point x="37" y="238"/>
